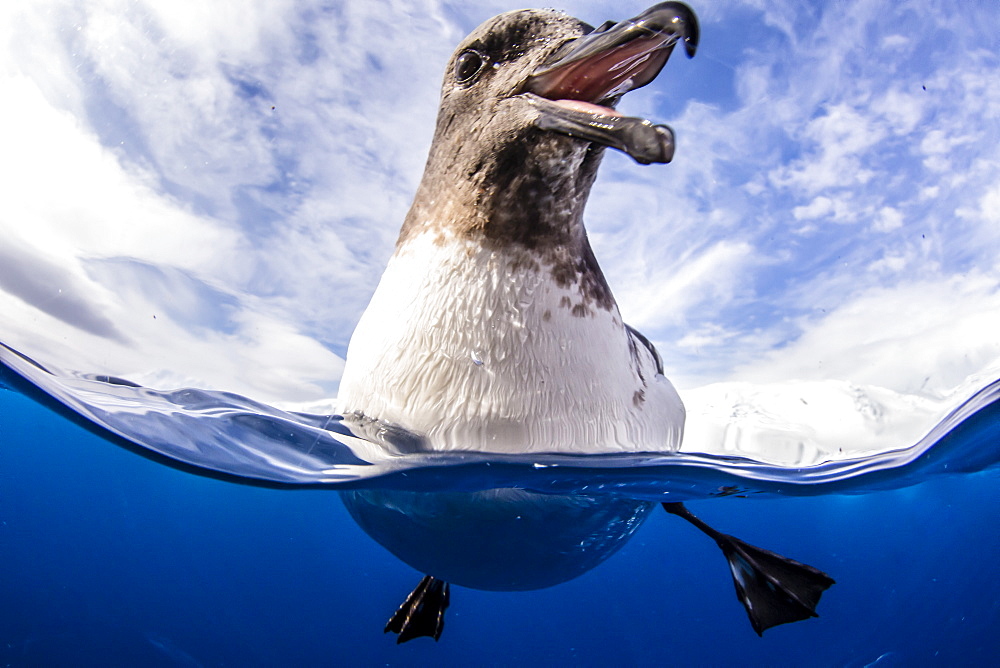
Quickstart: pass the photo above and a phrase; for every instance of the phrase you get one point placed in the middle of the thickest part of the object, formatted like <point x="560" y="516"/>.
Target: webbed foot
<point x="422" y="613"/>
<point x="773" y="589"/>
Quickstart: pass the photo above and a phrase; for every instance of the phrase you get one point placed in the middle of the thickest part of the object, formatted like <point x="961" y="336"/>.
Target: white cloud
<point x="839" y="136"/>
<point x="990" y="204"/>
<point x="69" y="201"/>
<point x="712" y="273"/>
<point x="819" y="207"/>
<point x="805" y="423"/>
<point x="916" y="337"/>
<point x="890" y="264"/>
<point x="894" y="41"/>
<point x="707" y="336"/>
<point x="143" y="135"/>
<point x="888" y="219"/>
<point x="989" y="207"/>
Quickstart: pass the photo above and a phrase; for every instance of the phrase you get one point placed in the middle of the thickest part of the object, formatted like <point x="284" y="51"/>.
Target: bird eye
<point x="469" y="64"/>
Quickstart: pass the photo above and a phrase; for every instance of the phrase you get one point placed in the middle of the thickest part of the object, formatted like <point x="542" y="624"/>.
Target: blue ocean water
<point x="112" y="556"/>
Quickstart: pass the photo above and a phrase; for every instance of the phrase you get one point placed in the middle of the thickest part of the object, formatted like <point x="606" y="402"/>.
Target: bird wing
<point x="637" y="342"/>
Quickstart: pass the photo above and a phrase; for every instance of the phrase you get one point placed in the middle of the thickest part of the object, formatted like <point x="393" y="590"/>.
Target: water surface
<point x="223" y="433"/>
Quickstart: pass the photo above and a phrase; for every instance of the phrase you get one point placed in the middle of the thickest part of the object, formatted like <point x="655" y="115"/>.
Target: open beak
<point x="576" y="88"/>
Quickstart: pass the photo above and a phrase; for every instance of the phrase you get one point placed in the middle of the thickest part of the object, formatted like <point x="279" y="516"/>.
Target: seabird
<point x="493" y="328"/>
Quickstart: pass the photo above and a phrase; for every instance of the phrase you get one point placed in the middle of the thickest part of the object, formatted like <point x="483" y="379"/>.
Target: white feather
<point x="476" y="351"/>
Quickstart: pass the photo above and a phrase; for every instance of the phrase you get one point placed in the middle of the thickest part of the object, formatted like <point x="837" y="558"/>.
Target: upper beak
<point x="616" y="57"/>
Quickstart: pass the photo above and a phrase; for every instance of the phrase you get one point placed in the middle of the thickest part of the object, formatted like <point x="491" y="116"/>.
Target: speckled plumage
<point x="493" y="328"/>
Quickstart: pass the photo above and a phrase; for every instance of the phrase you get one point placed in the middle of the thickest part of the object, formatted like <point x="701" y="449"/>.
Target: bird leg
<point x="773" y="589"/>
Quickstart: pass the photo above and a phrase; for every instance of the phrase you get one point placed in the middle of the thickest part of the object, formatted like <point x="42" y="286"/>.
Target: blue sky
<point x="205" y="193"/>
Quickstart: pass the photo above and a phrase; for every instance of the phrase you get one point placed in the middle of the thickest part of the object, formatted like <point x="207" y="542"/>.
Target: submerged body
<point x="493" y="328"/>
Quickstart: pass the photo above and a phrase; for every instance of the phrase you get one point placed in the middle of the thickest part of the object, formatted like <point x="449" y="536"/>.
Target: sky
<point x="205" y="194"/>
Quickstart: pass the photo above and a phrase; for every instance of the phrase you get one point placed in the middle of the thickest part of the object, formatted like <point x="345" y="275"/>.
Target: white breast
<point x="477" y="351"/>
